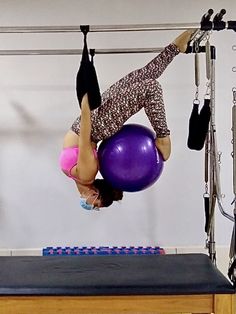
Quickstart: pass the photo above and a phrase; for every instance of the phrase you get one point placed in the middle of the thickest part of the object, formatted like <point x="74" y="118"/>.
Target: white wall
<point x="39" y="206"/>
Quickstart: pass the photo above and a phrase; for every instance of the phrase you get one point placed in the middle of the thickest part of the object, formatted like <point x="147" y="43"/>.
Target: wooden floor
<point x="184" y="304"/>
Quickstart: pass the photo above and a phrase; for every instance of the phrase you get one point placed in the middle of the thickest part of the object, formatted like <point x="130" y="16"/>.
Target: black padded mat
<point x="111" y="275"/>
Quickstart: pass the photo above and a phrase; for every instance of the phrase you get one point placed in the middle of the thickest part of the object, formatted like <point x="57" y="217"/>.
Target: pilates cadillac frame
<point x="44" y="290"/>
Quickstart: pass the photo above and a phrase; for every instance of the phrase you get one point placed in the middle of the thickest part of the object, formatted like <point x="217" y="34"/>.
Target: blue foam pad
<point x="102" y="250"/>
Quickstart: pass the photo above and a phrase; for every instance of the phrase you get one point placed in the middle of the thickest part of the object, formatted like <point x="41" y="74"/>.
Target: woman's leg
<point x="154" y="69"/>
<point x="155" y="110"/>
<point x="145" y="94"/>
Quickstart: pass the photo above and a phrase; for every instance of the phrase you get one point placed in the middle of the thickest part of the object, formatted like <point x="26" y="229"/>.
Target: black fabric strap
<point x="86" y="80"/>
<point x="207" y="214"/>
<point x="198" y="125"/>
<point x="193" y="128"/>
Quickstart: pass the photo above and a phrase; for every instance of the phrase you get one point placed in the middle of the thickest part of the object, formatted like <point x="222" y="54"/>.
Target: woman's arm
<point x="87" y="163"/>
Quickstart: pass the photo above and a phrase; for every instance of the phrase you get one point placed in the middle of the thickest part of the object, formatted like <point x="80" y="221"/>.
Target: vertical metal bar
<point x="197" y="70"/>
<point x="234" y="141"/>
<point x="208" y="60"/>
<point x="213" y="152"/>
<point x="233" y="241"/>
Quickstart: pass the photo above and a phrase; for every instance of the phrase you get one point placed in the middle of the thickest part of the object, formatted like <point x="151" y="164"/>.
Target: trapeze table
<point x="187" y="283"/>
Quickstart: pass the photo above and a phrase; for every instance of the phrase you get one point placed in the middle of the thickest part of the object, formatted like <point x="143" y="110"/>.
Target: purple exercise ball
<point x="129" y="160"/>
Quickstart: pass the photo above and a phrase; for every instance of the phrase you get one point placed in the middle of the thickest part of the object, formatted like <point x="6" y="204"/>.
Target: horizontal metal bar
<point x="144" y="27"/>
<point x="77" y="51"/>
<point x="98" y="28"/>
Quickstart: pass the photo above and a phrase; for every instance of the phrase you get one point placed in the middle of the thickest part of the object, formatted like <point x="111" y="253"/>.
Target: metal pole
<point x="213" y="151"/>
<point x="98" y="28"/>
<point x="233" y="241"/>
<point x="234" y="140"/>
<point x="78" y="51"/>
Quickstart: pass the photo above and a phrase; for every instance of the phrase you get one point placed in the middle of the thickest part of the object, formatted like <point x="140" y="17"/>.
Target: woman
<point x="137" y="90"/>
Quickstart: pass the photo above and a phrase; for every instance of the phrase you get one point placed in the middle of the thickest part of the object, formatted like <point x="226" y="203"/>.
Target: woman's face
<point x="98" y="203"/>
<point x="94" y="199"/>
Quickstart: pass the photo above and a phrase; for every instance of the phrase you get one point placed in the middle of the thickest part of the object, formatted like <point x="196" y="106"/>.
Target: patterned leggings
<point x="133" y="93"/>
<point x="139" y="89"/>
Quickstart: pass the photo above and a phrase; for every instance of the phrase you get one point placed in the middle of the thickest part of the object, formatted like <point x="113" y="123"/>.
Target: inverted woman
<point x="139" y="89"/>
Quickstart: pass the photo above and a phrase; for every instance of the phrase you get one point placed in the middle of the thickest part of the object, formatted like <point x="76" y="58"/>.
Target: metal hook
<point x="196" y="101"/>
<point x="219" y="157"/>
<point x="208" y="89"/>
<point x="234" y="94"/>
<point x="206" y="194"/>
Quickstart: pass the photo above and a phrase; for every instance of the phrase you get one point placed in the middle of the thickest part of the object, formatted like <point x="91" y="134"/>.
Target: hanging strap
<point x="196" y="69"/>
<point x="199" y="125"/>
<point x="208" y="58"/>
<point x="192" y="141"/>
<point x="86" y="79"/>
<point x="85" y="55"/>
<point x="206" y="195"/>
<point x="207" y="212"/>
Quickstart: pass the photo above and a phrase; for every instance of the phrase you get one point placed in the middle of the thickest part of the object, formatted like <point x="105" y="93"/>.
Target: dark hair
<point x="107" y="192"/>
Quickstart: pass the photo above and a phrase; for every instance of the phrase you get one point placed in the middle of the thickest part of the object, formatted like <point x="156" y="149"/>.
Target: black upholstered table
<point x="113" y="284"/>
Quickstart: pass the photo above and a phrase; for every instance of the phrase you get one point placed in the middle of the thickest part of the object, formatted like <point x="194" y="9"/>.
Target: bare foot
<point x="182" y="40"/>
<point x="164" y="146"/>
